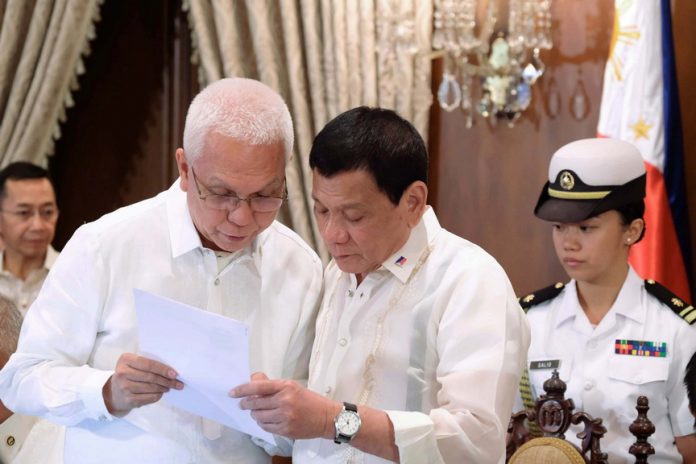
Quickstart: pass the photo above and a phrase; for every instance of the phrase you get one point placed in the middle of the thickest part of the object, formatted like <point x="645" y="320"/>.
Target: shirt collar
<point x="627" y="302"/>
<point x="184" y="235"/>
<point x="51" y="256"/>
<point x="182" y="232"/>
<point x="403" y="262"/>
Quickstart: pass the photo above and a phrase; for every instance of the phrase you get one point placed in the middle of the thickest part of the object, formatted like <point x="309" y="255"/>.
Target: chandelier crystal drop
<point x="506" y="64"/>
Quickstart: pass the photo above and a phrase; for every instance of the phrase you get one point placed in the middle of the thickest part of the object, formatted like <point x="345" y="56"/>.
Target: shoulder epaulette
<point x="676" y="304"/>
<point x="540" y="296"/>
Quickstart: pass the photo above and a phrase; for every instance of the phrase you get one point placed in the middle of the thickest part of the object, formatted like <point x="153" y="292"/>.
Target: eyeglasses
<point x="230" y="202"/>
<point x="47" y="214"/>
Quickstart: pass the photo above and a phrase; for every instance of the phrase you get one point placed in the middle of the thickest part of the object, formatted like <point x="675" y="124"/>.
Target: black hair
<point x="631" y="211"/>
<point x="690" y="384"/>
<point x="21" y="170"/>
<point x="376" y="140"/>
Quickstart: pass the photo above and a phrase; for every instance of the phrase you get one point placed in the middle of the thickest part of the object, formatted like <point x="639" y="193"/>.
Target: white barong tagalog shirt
<point x="84" y="319"/>
<point x="449" y="342"/>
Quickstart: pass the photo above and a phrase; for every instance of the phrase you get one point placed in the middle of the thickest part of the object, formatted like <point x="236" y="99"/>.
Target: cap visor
<point x="557" y="210"/>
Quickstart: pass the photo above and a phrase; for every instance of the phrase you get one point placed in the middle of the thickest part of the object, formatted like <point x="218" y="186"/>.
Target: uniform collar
<point x="627" y="304"/>
<point x="403" y="262"/>
<point x="183" y="234"/>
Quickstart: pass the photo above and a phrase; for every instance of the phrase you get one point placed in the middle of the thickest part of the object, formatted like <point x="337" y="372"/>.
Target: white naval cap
<point x="590" y="176"/>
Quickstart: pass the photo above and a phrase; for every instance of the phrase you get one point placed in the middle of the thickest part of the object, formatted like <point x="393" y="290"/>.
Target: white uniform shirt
<point x="605" y="384"/>
<point x="444" y="341"/>
<point x="84" y="319"/>
<point x="23" y="292"/>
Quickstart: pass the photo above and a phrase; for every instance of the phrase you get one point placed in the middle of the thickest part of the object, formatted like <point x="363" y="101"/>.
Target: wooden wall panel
<point x="485" y="181"/>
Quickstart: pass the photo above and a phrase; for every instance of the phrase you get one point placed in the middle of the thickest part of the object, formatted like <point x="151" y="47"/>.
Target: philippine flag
<point x="640" y="104"/>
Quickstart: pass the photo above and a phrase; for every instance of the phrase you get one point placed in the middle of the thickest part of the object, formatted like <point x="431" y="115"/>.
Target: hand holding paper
<point x="209" y="352"/>
<point x="137" y="381"/>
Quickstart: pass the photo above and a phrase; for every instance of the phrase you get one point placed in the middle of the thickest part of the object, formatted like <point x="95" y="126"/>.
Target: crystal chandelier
<point x="506" y="66"/>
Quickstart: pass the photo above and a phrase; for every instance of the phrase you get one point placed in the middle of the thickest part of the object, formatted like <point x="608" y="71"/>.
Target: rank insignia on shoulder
<point x="545" y="294"/>
<point x="680" y="307"/>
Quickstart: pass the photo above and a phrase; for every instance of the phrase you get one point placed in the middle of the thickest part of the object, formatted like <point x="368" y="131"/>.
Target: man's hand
<point x="284" y="407"/>
<point x="137" y="381"/>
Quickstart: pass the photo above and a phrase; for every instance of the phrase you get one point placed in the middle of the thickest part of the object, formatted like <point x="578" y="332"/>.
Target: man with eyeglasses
<point x="210" y="241"/>
<point x="28" y="216"/>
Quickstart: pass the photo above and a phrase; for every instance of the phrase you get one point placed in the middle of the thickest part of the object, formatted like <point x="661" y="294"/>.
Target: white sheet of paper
<point x="209" y="352"/>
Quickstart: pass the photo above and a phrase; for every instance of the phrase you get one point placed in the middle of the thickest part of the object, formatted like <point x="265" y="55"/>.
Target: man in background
<point x="28" y="215"/>
<point x="211" y="241"/>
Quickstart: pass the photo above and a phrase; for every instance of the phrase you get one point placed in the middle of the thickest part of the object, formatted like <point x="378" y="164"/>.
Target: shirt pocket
<point x="538" y="373"/>
<point x="634" y="376"/>
<point x="638" y="370"/>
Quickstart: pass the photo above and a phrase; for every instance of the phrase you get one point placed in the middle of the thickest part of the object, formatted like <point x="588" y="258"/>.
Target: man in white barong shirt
<point x="209" y="241"/>
<point x="420" y="341"/>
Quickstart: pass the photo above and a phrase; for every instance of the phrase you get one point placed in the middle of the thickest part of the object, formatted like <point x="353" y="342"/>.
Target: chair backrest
<point x="553" y="414"/>
<point x="547" y="450"/>
<point x="537" y="435"/>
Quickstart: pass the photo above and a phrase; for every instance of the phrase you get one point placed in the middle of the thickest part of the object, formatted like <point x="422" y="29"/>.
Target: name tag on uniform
<point x="640" y="348"/>
<point x="548" y="364"/>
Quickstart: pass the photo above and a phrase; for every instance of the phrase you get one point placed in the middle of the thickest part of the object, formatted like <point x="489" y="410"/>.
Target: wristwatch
<point x="347" y="423"/>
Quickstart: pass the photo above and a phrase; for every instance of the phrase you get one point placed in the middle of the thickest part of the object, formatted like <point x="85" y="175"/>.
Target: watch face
<point x="348" y="423"/>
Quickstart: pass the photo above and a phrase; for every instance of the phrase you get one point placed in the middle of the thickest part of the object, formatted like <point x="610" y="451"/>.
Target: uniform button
<point x="102" y="417"/>
<point x="343" y="342"/>
<point x="351" y="293"/>
<point x="589" y="384"/>
<point x="10" y="440"/>
<point x="328" y="390"/>
<point x="361" y="294"/>
<point x="217" y="281"/>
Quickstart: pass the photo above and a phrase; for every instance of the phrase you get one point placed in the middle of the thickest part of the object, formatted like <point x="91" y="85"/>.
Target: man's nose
<point x="242" y="214"/>
<point x="334" y="232"/>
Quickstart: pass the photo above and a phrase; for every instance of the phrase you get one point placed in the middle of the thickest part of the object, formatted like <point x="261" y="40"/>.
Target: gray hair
<point x="243" y="109"/>
<point x="10" y="324"/>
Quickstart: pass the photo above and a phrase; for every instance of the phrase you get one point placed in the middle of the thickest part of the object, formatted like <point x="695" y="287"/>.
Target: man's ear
<point x="414" y="200"/>
<point x="184" y="169"/>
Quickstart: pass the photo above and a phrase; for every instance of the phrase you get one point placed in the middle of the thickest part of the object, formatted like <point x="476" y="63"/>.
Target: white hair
<point x="242" y="109"/>
<point x="10" y="324"/>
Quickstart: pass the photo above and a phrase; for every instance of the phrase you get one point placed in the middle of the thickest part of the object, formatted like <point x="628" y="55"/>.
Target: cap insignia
<point x="567" y="181"/>
<point x="677" y="302"/>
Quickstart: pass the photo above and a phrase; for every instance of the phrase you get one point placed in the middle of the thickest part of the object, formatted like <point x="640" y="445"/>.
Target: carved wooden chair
<point x="551" y="417"/>
<point x="553" y="414"/>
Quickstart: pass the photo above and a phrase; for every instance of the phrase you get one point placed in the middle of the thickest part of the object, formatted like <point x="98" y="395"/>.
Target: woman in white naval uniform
<point x="612" y="335"/>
